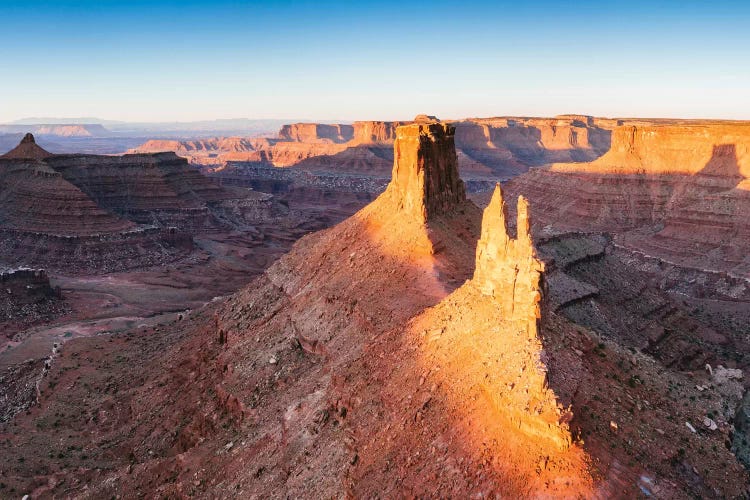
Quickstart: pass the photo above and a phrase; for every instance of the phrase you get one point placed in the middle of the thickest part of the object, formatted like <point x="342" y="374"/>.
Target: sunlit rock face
<point x="425" y="180"/>
<point x="677" y="192"/>
<point x="507" y="268"/>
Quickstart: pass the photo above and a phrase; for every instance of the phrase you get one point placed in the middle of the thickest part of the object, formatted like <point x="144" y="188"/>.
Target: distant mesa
<point x="495" y="148"/>
<point x="27" y="149"/>
<point x="72" y="130"/>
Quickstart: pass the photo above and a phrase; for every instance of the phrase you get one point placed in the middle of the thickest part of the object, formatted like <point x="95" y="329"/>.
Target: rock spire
<point x="507" y="268"/>
<point x="425" y="180"/>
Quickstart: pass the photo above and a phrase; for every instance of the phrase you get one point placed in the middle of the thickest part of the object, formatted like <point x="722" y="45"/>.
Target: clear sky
<point x="192" y="60"/>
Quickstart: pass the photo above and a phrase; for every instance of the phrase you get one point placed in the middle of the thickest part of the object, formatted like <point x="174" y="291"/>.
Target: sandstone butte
<point x="679" y="192"/>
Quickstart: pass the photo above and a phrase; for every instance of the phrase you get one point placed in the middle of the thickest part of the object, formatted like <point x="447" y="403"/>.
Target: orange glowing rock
<point x="425" y="179"/>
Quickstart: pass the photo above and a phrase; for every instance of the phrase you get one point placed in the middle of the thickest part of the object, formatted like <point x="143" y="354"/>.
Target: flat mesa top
<point x="427" y="128"/>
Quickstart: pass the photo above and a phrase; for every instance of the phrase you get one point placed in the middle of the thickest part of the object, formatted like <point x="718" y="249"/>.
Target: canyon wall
<point x="316" y="132"/>
<point x="88" y="213"/>
<point x="675" y="191"/>
<point x="36" y="198"/>
<point x="486" y="147"/>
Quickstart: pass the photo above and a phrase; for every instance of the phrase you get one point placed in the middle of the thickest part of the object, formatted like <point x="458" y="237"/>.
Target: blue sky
<point x="330" y="60"/>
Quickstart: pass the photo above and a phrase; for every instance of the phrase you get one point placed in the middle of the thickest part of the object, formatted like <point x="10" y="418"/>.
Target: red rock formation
<point x="49" y="222"/>
<point x="221" y="144"/>
<point x="316" y="132"/>
<point x="675" y="191"/>
<point x="495" y="147"/>
<point x="26" y="150"/>
<point x="508" y="268"/>
<point x="368" y="132"/>
<point x="357" y="366"/>
<point x="38" y="199"/>
<point x="425" y="179"/>
<point x="159" y="188"/>
<point x="489" y="351"/>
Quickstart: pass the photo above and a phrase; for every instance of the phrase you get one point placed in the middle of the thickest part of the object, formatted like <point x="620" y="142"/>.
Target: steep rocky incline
<point x="335" y="390"/>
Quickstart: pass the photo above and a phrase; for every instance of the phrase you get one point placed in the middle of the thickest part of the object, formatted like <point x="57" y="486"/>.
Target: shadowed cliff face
<point x="425" y="180"/>
<point x="680" y="193"/>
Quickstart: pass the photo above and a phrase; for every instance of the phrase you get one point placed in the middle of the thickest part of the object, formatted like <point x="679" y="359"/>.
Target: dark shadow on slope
<point x="723" y="163"/>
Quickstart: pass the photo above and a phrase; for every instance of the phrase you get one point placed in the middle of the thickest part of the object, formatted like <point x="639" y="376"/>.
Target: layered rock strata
<point x="425" y="180"/>
<point x="486" y="147"/>
<point x="49" y="221"/>
<point x="37" y="199"/>
<point x="677" y="192"/>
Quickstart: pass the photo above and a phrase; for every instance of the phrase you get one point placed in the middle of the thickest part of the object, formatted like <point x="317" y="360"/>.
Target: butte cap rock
<point x="425" y="180"/>
<point x="426" y="119"/>
<point x="27" y="149"/>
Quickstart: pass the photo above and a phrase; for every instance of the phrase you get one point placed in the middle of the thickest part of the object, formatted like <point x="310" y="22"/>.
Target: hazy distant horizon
<point x="118" y="123"/>
<point x="337" y="61"/>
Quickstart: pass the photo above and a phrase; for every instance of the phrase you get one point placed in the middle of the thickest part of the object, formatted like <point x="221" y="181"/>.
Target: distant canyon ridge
<point x="486" y="147"/>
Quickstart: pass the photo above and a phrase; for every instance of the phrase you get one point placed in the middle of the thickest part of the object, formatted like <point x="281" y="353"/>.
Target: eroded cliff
<point x="486" y="147"/>
<point x="677" y="192"/>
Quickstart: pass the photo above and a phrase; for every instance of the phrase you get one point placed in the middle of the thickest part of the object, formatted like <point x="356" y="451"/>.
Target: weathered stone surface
<point x="425" y="179"/>
<point x="679" y="192"/>
<point x="508" y="268"/>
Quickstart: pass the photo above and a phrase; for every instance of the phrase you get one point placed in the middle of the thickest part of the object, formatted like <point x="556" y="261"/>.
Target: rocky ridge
<point x="27" y="149"/>
<point x="105" y="213"/>
<point x="486" y="147"/>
